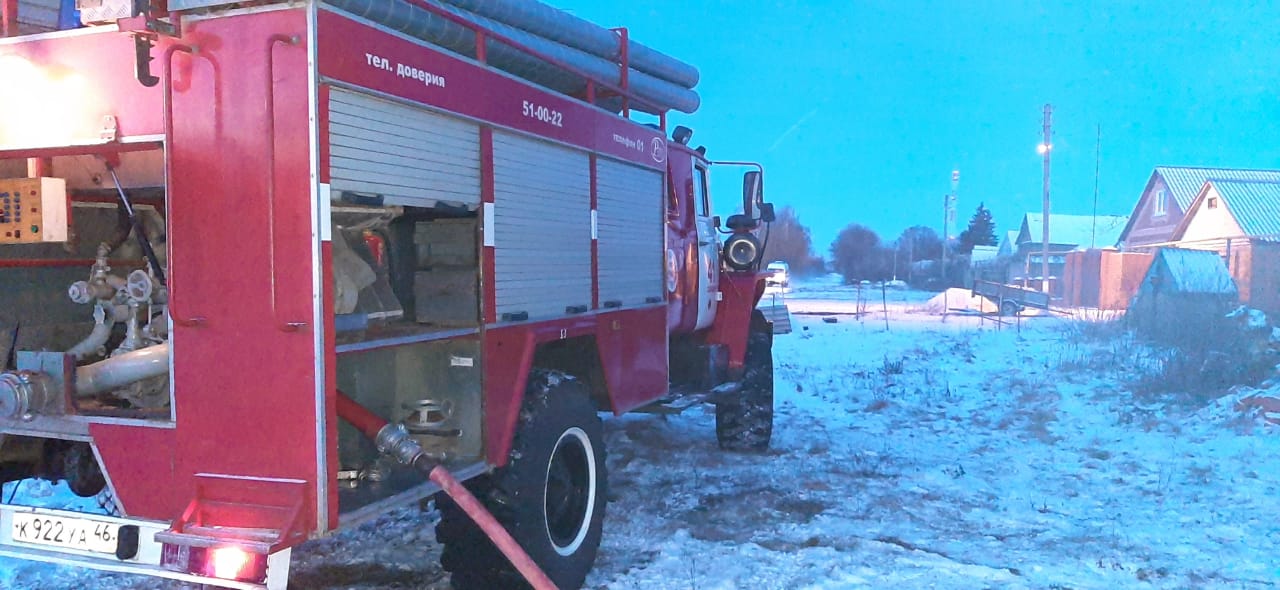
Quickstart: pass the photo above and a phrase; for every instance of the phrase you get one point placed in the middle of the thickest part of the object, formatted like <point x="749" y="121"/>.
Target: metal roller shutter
<point x="409" y="156"/>
<point x="629" y="219"/>
<point x="37" y="16"/>
<point x="542" y="227"/>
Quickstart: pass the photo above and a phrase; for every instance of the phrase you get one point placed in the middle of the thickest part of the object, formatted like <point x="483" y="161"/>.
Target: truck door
<point x="708" y="247"/>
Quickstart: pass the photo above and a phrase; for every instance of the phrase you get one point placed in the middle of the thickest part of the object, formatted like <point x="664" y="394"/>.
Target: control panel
<point x="33" y="210"/>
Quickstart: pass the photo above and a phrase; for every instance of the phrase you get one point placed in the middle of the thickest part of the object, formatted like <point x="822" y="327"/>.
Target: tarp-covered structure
<point x="1183" y="291"/>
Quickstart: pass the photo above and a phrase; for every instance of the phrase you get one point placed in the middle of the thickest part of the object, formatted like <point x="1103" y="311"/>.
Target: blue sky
<point x="861" y="110"/>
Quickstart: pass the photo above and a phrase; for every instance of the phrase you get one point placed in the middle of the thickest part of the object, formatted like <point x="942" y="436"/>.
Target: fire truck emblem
<point x="659" y="150"/>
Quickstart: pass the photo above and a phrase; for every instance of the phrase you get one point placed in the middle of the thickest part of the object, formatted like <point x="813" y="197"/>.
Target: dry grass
<point x="1189" y="361"/>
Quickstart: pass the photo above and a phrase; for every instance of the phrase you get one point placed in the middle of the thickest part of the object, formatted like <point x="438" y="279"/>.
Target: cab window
<point x="700" y="197"/>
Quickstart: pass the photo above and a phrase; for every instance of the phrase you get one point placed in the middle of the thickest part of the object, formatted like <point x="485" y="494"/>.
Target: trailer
<point x="269" y="270"/>
<point x="1011" y="299"/>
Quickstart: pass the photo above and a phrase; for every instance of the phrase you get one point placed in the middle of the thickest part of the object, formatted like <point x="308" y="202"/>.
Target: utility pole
<point x="1046" y="146"/>
<point x="896" y="247"/>
<point x="1097" y="168"/>
<point x="946" y="203"/>
<point x="948" y="215"/>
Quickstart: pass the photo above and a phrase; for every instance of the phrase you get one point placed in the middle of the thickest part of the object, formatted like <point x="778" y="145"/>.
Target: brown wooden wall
<point x="1103" y="279"/>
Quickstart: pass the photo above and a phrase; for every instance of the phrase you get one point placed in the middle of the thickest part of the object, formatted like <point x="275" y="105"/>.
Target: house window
<point x="1213" y="202"/>
<point x="1162" y="202"/>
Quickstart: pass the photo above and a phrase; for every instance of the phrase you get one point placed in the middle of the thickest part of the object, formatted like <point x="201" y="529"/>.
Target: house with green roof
<point x="1240" y="220"/>
<point x="1168" y="196"/>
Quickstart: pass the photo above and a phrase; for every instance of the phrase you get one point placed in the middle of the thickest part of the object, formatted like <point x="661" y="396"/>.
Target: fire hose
<point x="394" y="440"/>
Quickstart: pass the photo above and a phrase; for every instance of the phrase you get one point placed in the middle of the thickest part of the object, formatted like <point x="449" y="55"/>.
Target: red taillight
<point x="230" y="563"/>
<point x="227" y="562"/>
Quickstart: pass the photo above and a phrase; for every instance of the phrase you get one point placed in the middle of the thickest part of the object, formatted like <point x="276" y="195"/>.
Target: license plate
<point x="69" y="533"/>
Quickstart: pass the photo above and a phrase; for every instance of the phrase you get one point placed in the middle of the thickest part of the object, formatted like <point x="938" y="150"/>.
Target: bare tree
<point x="789" y="242"/>
<point x="857" y="254"/>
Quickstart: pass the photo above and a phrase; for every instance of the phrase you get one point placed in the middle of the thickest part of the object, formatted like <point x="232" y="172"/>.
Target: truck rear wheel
<point x="550" y="496"/>
<point x="744" y="422"/>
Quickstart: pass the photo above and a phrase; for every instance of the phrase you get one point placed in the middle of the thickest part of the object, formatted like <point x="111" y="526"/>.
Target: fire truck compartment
<point x="433" y="388"/>
<point x="397" y="154"/>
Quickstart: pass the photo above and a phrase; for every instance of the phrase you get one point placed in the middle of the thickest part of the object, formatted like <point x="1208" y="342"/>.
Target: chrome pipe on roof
<point x="423" y="24"/>
<point x="564" y="28"/>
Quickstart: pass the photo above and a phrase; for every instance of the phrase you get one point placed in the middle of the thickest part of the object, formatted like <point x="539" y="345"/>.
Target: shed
<point x="1184" y="292"/>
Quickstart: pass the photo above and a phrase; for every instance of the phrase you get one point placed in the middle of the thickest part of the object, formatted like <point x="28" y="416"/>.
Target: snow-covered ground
<point x="935" y="453"/>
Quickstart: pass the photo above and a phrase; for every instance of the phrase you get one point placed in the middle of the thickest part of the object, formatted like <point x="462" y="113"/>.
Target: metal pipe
<point x="624" y="72"/>
<point x="143" y="241"/>
<point x="562" y="27"/>
<point x="167" y="108"/>
<point x="61" y="262"/>
<point x="272" y="41"/>
<point x="96" y="339"/>
<point x="543" y="61"/>
<point x="119" y="371"/>
<point x="393" y="440"/>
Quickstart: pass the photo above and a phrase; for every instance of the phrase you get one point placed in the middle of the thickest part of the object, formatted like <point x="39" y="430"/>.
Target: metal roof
<point x="1185" y="182"/>
<point x="1255" y="205"/>
<point x="1078" y="231"/>
<point x="1192" y="271"/>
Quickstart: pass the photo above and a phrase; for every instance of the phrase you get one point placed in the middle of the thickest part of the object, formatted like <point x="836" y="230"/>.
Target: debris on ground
<point x="956" y="299"/>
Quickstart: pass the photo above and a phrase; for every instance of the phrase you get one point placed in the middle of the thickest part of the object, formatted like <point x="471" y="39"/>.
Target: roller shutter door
<point x="38" y="16"/>
<point x="630" y="233"/>
<point x="541" y="228"/>
<point x="408" y="155"/>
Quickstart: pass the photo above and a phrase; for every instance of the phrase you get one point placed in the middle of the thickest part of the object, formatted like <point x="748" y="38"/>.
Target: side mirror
<point x="715" y="220"/>
<point x="766" y="213"/>
<point x="752" y="189"/>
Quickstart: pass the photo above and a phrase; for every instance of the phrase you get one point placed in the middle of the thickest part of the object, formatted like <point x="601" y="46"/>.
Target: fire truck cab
<point x="268" y="271"/>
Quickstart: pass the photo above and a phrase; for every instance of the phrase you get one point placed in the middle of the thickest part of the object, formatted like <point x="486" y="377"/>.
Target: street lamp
<point x="1044" y="148"/>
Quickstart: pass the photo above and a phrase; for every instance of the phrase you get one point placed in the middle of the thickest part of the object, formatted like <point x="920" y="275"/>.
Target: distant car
<point x="779" y="274"/>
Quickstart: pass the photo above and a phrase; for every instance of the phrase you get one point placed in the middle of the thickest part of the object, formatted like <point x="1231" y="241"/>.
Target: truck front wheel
<point x="550" y="496"/>
<point x="744" y="420"/>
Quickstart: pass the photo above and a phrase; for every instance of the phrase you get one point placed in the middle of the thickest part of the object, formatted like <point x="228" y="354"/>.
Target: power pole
<point x="1046" y="146"/>
<point x="1097" y="168"/>
<point x="948" y="215"/>
<point x="896" y="247"/>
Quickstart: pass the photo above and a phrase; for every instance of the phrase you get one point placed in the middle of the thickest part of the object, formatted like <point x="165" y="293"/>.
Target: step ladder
<point x="774" y="307"/>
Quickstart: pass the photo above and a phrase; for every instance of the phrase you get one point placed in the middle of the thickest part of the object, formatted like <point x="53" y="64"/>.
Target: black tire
<point x="550" y="496"/>
<point x="80" y="468"/>
<point x="1009" y="308"/>
<point x="744" y="421"/>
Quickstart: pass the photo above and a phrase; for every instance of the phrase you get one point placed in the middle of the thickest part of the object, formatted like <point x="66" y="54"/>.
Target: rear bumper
<point x="146" y="562"/>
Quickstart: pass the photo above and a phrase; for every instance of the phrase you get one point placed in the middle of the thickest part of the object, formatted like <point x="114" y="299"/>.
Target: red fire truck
<point x="268" y="270"/>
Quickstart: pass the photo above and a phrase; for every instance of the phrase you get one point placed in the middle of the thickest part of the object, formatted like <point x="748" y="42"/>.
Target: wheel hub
<point x="570" y="491"/>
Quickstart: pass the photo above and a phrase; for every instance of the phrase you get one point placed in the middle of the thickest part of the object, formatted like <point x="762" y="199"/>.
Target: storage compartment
<point x="446" y="284"/>
<point x="446" y="242"/>
<point x="433" y="389"/>
<point x="447" y="296"/>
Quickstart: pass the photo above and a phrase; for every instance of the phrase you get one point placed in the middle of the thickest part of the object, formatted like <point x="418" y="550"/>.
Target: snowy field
<point x="937" y="453"/>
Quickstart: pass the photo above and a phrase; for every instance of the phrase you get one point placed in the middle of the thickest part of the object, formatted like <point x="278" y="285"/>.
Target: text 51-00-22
<point x="549" y="116"/>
